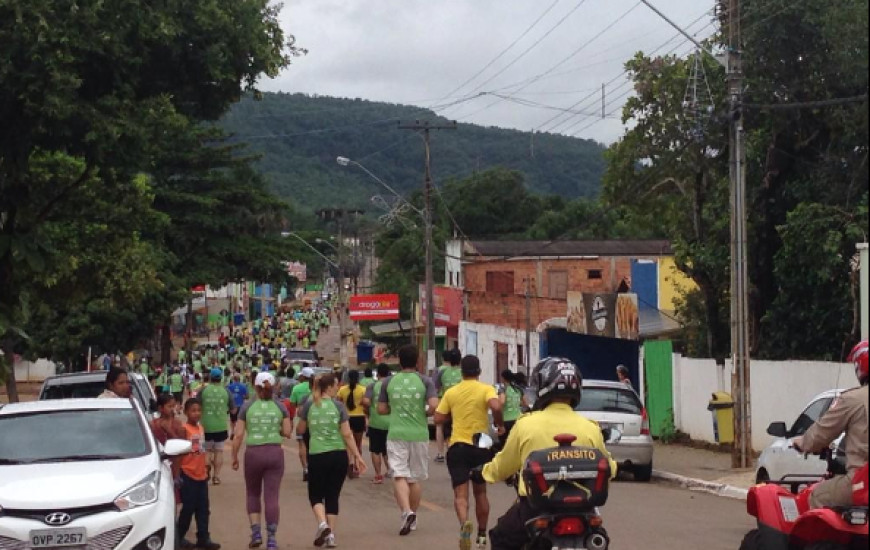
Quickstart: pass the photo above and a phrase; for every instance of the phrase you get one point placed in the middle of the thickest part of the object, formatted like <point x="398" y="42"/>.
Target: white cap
<point x="263" y="378"/>
<point x="307" y="372"/>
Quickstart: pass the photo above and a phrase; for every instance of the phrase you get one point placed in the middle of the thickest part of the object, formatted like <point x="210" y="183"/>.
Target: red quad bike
<point x="566" y="485"/>
<point x="786" y="522"/>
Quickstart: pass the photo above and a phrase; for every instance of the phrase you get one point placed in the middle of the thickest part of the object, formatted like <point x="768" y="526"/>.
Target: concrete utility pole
<point x="424" y="127"/>
<point x="729" y="13"/>
<point x="528" y="350"/>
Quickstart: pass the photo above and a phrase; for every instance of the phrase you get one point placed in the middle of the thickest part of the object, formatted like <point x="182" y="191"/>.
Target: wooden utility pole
<point x="742" y="451"/>
<point x="424" y="127"/>
<point x="528" y="350"/>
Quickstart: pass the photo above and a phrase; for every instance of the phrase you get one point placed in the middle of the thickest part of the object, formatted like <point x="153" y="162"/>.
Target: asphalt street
<point x="637" y="515"/>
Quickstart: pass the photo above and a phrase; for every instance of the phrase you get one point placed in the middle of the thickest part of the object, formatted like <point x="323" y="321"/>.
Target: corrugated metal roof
<point x="514" y="249"/>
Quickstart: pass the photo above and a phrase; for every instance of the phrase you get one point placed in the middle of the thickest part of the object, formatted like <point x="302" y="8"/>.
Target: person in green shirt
<point x="379" y="425"/>
<point x="449" y="375"/>
<point x="217" y="404"/>
<point x="368" y="378"/>
<point x="160" y="382"/>
<point x="513" y="401"/>
<point x="195" y="384"/>
<point x="328" y="423"/>
<point x="197" y="364"/>
<point x="298" y="395"/>
<point x="262" y="426"/>
<point x="408" y="397"/>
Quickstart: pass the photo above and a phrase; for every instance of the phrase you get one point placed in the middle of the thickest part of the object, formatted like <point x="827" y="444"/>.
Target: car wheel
<point x="752" y="541"/>
<point x="643" y="473"/>
<point x="762" y="476"/>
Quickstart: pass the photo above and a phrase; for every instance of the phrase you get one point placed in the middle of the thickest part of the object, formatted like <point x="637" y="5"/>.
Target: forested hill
<point x="300" y="137"/>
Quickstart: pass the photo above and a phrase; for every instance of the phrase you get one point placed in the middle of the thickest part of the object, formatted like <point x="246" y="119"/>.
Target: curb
<point x="710" y="487"/>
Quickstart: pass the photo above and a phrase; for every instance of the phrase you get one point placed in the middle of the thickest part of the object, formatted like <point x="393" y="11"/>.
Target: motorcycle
<point x="786" y="521"/>
<point x="566" y="485"/>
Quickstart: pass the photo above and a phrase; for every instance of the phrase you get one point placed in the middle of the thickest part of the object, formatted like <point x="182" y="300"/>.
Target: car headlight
<point x="143" y="493"/>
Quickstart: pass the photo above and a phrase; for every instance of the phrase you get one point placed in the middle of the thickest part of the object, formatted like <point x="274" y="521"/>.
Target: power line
<point x="806" y="104"/>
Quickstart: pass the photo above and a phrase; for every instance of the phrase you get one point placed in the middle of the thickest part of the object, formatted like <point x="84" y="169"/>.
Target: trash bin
<point x="722" y="406"/>
<point x="364" y="352"/>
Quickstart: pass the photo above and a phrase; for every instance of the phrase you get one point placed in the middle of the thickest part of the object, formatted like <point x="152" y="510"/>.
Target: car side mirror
<point x="777" y="429"/>
<point x="176" y="447"/>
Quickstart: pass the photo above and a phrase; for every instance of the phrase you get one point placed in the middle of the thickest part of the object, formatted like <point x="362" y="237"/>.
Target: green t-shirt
<point x="366" y="382"/>
<point x="176" y="383"/>
<point x="300" y="393"/>
<point x="324" y="425"/>
<point x="263" y="422"/>
<point x="448" y="376"/>
<point x="512" y="403"/>
<point x="145" y="369"/>
<point x="376" y="419"/>
<point x="195" y="385"/>
<point x="216" y="405"/>
<point x="181" y="355"/>
<point x="197" y="365"/>
<point x="407" y="394"/>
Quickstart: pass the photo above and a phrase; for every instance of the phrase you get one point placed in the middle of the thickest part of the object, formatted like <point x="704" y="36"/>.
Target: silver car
<point x="615" y="405"/>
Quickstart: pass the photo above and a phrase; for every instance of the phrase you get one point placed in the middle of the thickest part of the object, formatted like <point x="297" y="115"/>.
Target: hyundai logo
<point x="58" y="518"/>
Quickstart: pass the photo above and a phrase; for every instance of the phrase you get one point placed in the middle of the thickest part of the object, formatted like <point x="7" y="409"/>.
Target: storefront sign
<point x="609" y="315"/>
<point x="374" y="307"/>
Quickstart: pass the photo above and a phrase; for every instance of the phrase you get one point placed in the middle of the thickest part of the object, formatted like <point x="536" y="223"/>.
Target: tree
<point x="87" y="80"/>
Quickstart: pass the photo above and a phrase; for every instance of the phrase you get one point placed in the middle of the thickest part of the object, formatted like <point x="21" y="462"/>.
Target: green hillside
<point x="300" y="137"/>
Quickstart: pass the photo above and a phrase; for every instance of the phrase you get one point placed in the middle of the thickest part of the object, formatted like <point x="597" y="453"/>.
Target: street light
<point x="327" y="243"/>
<point x="426" y="215"/>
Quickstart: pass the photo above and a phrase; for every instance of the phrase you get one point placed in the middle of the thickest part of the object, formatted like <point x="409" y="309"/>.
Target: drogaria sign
<point x="374" y="307"/>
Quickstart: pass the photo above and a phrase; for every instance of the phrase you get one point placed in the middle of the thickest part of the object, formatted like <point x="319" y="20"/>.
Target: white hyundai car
<point x="780" y="460"/>
<point x="84" y="473"/>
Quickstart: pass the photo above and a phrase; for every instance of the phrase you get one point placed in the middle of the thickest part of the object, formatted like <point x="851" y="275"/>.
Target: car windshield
<point x="609" y="400"/>
<point x="74" y="390"/>
<point x="75" y="435"/>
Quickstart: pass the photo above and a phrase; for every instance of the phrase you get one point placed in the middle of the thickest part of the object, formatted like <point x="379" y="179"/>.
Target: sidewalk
<point x="701" y="469"/>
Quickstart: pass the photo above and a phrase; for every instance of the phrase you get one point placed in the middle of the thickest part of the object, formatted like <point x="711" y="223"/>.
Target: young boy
<point x="194" y="482"/>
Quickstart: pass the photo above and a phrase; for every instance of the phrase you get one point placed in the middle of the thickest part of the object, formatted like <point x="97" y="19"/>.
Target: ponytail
<point x="320" y="385"/>
<point x="353" y="381"/>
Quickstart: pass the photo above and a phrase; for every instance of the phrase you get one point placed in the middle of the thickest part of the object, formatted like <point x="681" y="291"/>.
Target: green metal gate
<point x="658" y="364"/>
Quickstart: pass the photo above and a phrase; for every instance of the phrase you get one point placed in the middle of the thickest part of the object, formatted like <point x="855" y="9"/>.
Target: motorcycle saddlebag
<point x="561" y="478"/>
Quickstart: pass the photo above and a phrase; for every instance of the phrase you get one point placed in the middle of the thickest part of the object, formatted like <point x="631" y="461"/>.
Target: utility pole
<point x="729" y="12"/>
<point x="742" y="452"/>
<point x="424" y="127"/>
<point x="528" y="349"/>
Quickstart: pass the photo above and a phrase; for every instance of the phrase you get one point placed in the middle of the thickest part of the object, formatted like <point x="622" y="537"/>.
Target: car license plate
<point x="610" y="426"/>
<point x="54" y="538"/>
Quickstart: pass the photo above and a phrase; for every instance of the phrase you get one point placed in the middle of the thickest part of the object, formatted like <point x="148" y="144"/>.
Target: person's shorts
<point x="357" y="424"/>
<point x="377" y="441"/>
<point x="214" y="441"/>
<point x="462" y="458"/>
<point x="409" y="459"/>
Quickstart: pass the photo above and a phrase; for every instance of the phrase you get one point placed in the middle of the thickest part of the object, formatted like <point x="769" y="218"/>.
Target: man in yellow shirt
<point x="467" y="405"/>
<point x="558" y="384"/>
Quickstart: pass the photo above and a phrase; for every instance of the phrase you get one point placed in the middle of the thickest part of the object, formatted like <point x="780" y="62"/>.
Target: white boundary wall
<point x="34" y="371"/>
<point x="487" y="336"/>
<point x="780" y="391"/>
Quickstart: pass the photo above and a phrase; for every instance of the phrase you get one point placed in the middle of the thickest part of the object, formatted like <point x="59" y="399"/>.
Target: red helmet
<point x="858" y="357"/>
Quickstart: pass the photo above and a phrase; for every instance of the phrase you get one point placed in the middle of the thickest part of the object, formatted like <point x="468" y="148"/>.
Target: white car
<point x="84" y="473"/>
<point x="615" y="405"/>
<point x="779" y="459"/>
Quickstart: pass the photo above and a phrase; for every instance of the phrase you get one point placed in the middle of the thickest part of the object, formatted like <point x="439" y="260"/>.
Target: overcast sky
<point x="421" y="52"/>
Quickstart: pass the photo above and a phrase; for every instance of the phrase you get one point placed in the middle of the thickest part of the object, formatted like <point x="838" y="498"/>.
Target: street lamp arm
<point x="344" y="161"/>
<point x="306" y="243"/>
<point x="688" y="36"/>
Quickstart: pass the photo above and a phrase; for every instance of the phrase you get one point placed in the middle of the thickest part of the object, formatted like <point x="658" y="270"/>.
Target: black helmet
<point x="556" y="377"/>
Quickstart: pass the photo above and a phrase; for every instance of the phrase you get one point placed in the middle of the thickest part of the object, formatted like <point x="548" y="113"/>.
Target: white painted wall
<point x="34" y="371"/>
<point x="779" y="391"/>
<point x="453" y="263"/>
<point x="487" y="336"/>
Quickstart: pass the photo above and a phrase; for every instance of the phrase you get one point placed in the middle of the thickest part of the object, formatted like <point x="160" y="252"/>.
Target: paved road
<point x="649" y="516"/>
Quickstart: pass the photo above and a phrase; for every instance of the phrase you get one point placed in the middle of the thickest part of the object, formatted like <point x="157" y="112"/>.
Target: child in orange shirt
<point x="194" y="482"/>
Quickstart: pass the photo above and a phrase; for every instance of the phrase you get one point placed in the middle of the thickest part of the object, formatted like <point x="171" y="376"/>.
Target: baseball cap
<point x="307" y="372"/>
<point x="263" y="378"/>
<point x="216" y="373"/>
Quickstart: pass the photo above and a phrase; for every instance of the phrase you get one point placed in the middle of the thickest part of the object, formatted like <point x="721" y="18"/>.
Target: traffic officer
<point x="848" y="413"/>
<point x="558" y="385"/>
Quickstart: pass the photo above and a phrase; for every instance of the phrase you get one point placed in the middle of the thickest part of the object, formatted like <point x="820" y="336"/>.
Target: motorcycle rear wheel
<point x="752" y="541"/>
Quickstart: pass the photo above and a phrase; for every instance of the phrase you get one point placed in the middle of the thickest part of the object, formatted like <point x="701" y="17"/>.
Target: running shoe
<point x="330" y="541"/>
<point x="481" y="542"/>
<point x="378" y="480"/>
<point x="272" y="543"/>
<point x="323" y="532"/>
<point x="256" y="540"/>
<point x="439" y="458"/>
<point x="414" y="525"/>
<point x="465" y="535"/>
<point x="408" y="519"/>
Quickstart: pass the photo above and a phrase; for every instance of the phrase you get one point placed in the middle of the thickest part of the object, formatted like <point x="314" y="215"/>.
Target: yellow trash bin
<point x="722" y="406"/>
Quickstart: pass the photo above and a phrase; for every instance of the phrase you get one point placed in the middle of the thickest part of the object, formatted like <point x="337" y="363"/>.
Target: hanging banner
<point x="374" y="307"/>
<point x="608" y="315"/>
<point x="448" y="305"/>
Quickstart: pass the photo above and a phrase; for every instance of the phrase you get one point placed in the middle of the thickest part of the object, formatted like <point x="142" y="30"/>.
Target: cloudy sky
<point x="431" y="53"/>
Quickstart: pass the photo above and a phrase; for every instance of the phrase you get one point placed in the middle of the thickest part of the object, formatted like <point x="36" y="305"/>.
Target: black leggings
<point x="326" y="474"/>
